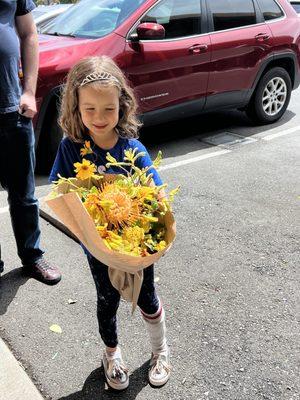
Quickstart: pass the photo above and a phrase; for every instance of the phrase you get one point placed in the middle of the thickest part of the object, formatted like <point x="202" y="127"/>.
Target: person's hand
<point x="27" y="105"/>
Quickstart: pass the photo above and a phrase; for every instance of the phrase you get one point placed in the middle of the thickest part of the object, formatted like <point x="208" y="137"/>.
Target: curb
<point x="15" y="384"/>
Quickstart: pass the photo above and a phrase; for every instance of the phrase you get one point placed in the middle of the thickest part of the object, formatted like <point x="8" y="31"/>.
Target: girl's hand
<point x="161" y="195"/>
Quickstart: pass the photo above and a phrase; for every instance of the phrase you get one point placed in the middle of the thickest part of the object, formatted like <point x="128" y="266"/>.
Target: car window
<point x="270" y="9"/>
<point x="228" y="14"/>
<point x="90" y="18"/>
<point x="179" y="17"/>
<point x="296" y="7"/>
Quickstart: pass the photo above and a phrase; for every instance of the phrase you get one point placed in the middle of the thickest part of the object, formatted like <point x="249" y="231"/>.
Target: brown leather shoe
<point x="43" y="271"/>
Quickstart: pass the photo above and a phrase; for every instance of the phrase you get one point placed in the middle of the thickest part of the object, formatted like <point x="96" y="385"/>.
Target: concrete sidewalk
<point x="14" y="382"/>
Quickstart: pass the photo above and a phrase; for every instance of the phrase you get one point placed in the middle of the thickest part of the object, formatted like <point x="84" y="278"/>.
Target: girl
<point x="99" y="106"/>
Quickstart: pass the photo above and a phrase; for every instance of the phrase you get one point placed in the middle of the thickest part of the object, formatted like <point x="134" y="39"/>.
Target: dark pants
<point x="17" y="162"/>
<point x="108" y="299"/>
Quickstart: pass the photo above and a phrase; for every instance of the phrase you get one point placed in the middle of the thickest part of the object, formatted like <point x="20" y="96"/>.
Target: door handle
<point x="198" y="48"/>
<point x="262" y="37"/>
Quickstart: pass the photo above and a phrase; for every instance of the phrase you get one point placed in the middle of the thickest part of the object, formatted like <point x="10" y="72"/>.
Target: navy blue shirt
<point x="69" y="153"/>
<point x="10" y="89"/>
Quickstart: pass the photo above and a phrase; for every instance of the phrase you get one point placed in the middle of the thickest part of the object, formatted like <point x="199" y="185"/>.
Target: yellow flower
<point x="157" y="161"/>
<point x="160" y="246"/>
<point x="84" y="170"/>
<point x="134" y="235"/>
<point x="150" y="218"/>
<point x="126" y="210"/>
<point x="94" y="208"/>
<point x="102" y="230"/>
<point x="86" y="149"/>
<point x="146" y="192"/>
<point x="131" y="156"/>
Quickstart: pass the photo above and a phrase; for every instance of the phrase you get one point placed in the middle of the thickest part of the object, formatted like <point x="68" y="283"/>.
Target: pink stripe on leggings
<point x="153" y="316"/>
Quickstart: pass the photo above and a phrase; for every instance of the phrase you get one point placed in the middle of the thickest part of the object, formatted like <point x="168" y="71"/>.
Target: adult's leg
<point x="17" y="162"/>
<point x="1" y="262"/>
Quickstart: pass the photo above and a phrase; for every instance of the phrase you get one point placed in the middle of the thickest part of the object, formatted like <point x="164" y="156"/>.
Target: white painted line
<point x="3" y="210"/>
<point x="282" y="133"/>
<point x="193" y="160"/>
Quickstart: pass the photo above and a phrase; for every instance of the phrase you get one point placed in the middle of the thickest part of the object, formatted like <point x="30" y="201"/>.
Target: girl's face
<point x="99" y="109"/>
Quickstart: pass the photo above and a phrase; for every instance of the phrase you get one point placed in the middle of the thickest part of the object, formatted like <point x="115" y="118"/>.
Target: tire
<point x="48" y="143"/>
<point x="271" y="97"/>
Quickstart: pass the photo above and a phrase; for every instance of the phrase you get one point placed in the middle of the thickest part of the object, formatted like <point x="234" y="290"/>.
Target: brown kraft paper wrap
<point x="125" y="271"/>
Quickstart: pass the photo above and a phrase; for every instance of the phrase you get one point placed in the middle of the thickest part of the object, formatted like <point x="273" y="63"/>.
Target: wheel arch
<point x="288" y="61"/>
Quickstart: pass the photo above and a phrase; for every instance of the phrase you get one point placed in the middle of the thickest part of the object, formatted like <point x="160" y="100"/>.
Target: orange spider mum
<point x="120" y="209"/>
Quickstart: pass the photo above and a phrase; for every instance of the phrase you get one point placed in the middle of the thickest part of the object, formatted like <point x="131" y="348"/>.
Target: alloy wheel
<point x="274" y="96"/>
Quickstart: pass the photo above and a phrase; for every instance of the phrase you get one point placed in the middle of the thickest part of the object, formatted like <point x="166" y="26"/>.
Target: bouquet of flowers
<point x="124" y="220"/>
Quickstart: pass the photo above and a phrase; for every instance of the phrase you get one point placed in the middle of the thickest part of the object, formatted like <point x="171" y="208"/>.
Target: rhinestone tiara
<point x="101" y="76"/>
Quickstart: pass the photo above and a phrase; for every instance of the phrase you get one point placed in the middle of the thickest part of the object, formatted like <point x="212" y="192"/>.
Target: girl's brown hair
<point x="70" y="119"/>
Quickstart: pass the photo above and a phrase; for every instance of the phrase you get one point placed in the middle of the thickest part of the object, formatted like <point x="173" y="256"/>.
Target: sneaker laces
<point x="160" y="364"/>
<point x="43" y="264"/>
<point x="118" y="369"/>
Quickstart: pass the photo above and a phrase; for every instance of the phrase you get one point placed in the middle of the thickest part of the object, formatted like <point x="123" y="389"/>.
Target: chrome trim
<point x="238" y="27"/>
<point x="201" y="34"/>
<point x="169" y="40"/>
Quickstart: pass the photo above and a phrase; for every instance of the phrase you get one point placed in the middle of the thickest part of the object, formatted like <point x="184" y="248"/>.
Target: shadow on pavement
<point x="94" y="386"/>
<point x="9" y="286"/>
<point x="203" y="125"/>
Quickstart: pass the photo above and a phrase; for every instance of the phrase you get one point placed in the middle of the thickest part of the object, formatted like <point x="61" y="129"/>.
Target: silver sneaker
<point x="160" y="369"/>
<point x="116" y="373"/>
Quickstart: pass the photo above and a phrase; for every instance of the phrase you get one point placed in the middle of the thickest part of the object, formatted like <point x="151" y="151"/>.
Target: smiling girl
<point x="98" y="106"/>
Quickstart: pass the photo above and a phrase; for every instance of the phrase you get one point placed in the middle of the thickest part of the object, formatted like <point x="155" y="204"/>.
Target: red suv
<point x="183" y="57"/>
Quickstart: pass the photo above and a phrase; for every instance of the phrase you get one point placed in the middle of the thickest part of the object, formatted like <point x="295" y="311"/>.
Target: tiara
<point x="102" y="76"/>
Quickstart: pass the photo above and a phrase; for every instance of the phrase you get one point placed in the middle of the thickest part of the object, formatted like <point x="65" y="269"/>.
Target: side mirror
<point x="149" y="31"/>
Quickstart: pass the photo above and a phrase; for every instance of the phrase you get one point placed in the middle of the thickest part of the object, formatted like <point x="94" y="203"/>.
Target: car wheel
<point x="48" y="143"/>
<point x="271" y="97"/>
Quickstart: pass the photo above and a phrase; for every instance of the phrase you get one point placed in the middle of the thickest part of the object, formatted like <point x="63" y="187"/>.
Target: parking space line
<point x="4" y="210"/>
<point x="194" y="159"/>
<point x="282" y="133"/>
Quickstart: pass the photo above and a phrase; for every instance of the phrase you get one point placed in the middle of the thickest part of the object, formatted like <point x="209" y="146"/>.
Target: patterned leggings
<point x="108" y="299"/>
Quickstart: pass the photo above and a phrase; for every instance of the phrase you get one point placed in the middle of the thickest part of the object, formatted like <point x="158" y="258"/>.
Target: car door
<point x="240" y="42"/>
<point x="173" y="70"/>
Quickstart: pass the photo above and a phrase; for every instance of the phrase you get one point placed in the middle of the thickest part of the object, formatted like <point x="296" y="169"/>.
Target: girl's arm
<point x="146" y="161"/>
<point x="68" y="153"/>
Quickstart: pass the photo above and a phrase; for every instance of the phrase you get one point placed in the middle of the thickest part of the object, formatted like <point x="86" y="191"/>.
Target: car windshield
<point x="92" y="18"/>
<point x="36" y="13"/>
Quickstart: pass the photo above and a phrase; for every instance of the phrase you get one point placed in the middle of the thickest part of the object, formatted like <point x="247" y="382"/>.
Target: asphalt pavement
<point x="230" y="285"/>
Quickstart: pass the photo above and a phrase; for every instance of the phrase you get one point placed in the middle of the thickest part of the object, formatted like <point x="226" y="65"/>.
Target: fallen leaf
<point x="55" y="328"/>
